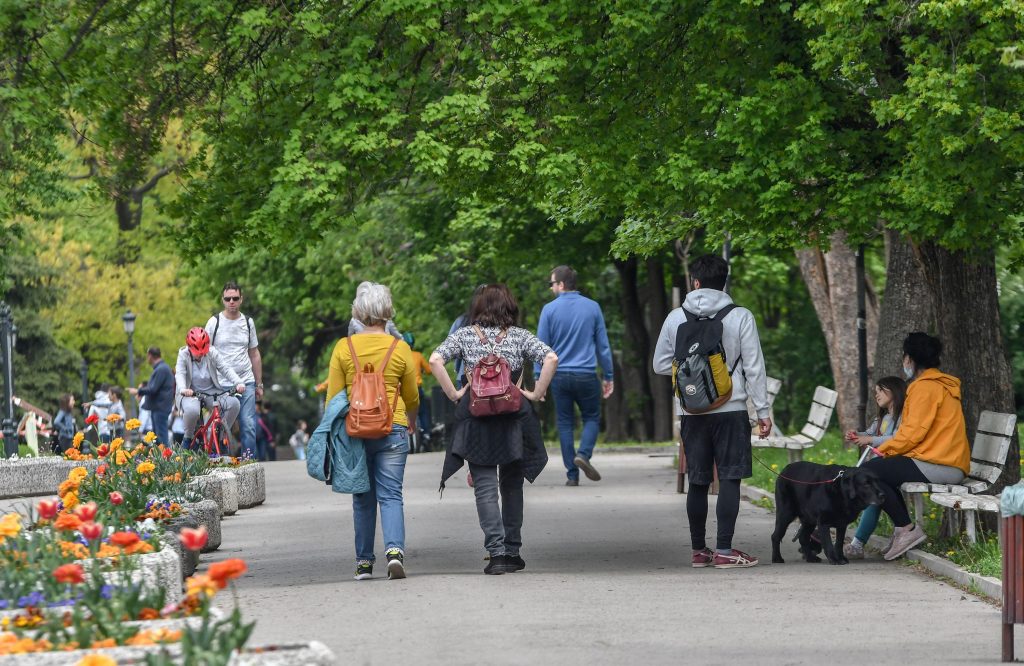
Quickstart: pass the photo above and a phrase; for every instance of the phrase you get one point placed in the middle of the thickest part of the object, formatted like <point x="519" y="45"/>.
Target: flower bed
<point x="219" y="486"/>
<point x="30" y="477"/>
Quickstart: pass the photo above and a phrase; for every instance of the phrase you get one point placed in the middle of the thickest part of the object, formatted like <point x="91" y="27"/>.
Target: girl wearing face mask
<point x="930" y="445"/>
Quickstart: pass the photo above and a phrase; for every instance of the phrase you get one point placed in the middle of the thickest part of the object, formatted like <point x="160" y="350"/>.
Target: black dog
<point x="822" y="497"/>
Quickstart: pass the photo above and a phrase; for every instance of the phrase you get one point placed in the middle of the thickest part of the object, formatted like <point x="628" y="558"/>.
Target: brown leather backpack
<point x="369" y="414"/>
<point x="491" y="391"/>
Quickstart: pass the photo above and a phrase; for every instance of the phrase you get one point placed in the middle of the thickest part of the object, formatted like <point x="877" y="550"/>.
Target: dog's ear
<point x="849" y="486"/>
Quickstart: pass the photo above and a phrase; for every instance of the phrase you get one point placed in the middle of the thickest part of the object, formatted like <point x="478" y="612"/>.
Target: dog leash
<point x="817" y="483"/>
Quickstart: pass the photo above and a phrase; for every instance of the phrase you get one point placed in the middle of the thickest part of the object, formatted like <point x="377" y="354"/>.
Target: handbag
<point x="491" y="391"/>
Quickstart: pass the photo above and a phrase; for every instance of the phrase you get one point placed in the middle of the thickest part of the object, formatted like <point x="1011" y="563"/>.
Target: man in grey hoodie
<point x="720" y="437"/>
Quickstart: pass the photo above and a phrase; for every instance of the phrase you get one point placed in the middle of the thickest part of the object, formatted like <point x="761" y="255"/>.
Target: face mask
<point x="908" y="372"/>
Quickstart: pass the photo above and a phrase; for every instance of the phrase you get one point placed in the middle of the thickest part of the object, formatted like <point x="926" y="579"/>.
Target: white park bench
<point x="969" y="506"/>
<point x="818" y="418"/>
<point x="988" y="455"/>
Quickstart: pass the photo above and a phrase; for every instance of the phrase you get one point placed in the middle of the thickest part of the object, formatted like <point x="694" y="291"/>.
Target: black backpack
<point x="701" y="377"/>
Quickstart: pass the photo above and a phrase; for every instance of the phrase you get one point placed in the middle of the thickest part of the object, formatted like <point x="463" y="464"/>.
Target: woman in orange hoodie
<point x="931" y="443"/>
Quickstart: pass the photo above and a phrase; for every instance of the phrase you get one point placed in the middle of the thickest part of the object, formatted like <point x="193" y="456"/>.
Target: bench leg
<point x="918" y="507"/>
<point x="970" y="518"/>
<point x="794" y="455"/>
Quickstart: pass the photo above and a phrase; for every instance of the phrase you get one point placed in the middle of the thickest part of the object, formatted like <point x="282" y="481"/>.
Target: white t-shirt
<point x="235" y="337"/>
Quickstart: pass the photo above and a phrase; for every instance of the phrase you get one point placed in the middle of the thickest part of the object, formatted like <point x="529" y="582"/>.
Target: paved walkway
<point x="608" y="581"/>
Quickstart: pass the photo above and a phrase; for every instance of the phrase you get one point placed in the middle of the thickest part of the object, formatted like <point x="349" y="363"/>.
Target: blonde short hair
<point x="373" y="305"/>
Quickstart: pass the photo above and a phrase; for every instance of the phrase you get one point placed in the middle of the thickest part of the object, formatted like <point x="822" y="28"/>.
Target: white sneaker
<point x="853" y="551"/>
<point x="905" y="539"/>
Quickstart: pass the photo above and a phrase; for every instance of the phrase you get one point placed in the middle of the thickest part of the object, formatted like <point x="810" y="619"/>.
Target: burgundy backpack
<point x="491" y="391"/>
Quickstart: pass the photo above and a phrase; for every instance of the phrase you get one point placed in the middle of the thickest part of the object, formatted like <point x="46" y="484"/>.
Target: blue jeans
<point x="158" y="421"/>
<point x="868" y="523"/>
<point x="583" y="389"/>
<point x="385" y="461"/>
<point x="247" y="420"/>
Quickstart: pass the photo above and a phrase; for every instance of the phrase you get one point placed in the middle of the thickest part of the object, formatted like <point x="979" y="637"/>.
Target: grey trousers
<point x="502" y="526"/>
<point x="229" y="407"/>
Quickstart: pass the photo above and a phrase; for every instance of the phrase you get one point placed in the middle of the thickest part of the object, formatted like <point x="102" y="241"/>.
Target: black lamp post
<point x="129" y="327"/>
<point x="8" y="337"/>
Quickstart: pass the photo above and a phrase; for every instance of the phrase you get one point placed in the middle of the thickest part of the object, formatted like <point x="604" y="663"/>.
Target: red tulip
<point x="86" y="511"/>
<point x="124" y="539"/>
<point x="47" y="509"/>
<point x="101" y="470"/>
<point x="69" y="573"/>
<point x="91" y="530"/>
<point x="168" y="453"/>
<point x="102" y="450"/>
<point x="193" y="539"/>
<point x="116" y="498"/>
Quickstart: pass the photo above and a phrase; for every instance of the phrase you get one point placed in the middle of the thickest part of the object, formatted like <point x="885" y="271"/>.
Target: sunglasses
<point x="552" y="283"/>
<point x="232" y="299"/>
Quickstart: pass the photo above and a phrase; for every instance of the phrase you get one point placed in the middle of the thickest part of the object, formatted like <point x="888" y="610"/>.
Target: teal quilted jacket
<point x="332" y="456"/>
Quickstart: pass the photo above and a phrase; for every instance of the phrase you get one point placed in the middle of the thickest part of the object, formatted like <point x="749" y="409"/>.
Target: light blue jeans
<point x="385" y="461"/>
<point x="247" y="420"/>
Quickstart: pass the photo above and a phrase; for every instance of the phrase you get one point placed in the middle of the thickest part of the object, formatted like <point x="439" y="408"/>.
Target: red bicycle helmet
<point x="198" y="341"/>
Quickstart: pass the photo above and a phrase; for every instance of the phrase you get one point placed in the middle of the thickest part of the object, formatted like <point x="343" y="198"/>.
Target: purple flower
<point x="4" y="604"/>
<point x="107" y="591"/>
<point x="32" y="599"/>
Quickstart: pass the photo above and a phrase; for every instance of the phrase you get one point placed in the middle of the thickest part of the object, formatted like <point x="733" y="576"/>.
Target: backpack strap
<point x="352" y="351"/>
<point x="216" y="327"/>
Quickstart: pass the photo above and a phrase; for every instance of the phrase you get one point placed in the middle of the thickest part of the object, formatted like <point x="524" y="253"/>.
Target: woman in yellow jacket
<point x="931" y="443"/>
<point x="385" y="457"/>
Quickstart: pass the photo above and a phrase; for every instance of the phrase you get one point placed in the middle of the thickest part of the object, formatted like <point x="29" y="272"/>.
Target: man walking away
<point x="573" y="326"/>
<point x="234" y="336"/>
<point x="159" y="394"/>
<point x="720" y="436"/>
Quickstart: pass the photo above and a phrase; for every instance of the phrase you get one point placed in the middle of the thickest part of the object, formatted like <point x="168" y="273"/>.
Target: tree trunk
<point x="968" y="325"/>
<point x="615" y="412"/>
<point x="906" y="306"/>
<point x="831" y="279"/>
<point x="661" y="386"/>
<point x="635" y="355"/>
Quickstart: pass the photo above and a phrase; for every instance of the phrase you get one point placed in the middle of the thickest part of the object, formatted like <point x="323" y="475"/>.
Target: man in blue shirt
<point x="159" y="394"/>
<point x="573" y="326"/>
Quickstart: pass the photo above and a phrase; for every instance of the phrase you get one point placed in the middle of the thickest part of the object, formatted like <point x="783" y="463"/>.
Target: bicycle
<point x="213" y="434"/>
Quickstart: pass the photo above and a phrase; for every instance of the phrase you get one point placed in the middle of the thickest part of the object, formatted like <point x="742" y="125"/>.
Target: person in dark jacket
<point x="501" y="450"/>
<point x="159" y="394"/>
<point x="64" y="425"/>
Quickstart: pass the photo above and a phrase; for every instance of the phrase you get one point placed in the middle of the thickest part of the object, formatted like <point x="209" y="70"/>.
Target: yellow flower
<point x="10" y="525"/>
<point x="77" y="474"/>
<point x="96" y="660"/>
<point x="774" y="466"/>
<point x="121" y="458"/>
<point x="201" y="584"/>
<point x="116" y="444"/>
<point x="950" y="553"/>
<point x="77" y="441"/>
<point x="70" y="499"/>
<point x="133" y="424"/>
<point x="113" y="418"/>
<point x="150" y="437"/>
<point x="145" y="467"/>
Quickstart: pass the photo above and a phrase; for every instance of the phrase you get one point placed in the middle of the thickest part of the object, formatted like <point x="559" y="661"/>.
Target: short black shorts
<point x="721" y="439"/>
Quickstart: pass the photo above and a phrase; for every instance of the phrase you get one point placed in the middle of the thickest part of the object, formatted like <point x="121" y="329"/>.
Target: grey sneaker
<point x="396" y="563"/>
<point x="903" y="540"/>
<point x="572" y="482"/>
<point x="853" y="551"/>
<point x="587" y="468"/>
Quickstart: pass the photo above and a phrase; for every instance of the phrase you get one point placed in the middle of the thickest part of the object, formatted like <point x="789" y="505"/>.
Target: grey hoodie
<point x="742" y="348"/>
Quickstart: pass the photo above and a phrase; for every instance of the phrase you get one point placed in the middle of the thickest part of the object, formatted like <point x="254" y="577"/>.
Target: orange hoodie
<point x="933" y="428"/>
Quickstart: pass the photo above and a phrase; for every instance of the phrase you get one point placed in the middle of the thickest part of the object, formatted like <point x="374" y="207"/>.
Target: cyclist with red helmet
<point x="199" y="365"/>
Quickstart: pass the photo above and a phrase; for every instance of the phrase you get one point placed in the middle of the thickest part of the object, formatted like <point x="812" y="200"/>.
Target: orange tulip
<point x="222" y="572"/>
<point x="68" y="521"/>
<point x="124" y="539"/>
<point x="69" y="573"/>
<point x="193" y="539"/>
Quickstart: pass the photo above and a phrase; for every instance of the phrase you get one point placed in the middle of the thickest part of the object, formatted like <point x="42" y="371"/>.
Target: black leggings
<point x="727" y="509"/>
<point x="893" y="472"/>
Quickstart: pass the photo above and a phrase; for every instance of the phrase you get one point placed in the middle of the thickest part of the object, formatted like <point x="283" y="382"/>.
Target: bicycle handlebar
<point x="216" y="394"/>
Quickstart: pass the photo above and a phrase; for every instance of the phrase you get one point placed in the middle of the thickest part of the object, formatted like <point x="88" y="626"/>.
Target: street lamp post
<point x="129" y="327"/>
<point x="8" y="333"/>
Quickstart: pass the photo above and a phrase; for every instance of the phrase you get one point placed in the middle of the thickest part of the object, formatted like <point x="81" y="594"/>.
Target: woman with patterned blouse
<point x="501" y="450"/>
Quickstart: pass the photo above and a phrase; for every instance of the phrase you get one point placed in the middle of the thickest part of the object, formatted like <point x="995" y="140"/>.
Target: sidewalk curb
<point x="982" y="585"/>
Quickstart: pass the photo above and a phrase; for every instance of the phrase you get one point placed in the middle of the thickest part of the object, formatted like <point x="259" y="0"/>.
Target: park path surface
<point x="608" y="581"/>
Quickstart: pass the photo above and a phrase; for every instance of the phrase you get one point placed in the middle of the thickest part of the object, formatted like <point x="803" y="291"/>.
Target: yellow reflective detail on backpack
<point x="720" y="371"/>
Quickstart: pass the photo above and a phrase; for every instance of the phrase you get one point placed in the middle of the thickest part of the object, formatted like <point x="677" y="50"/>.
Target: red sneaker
<point x="702" y="558"/>
<point x="734" y="560"/>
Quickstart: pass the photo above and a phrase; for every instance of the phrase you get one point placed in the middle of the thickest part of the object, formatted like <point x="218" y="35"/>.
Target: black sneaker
<point x="515" y="563"/>
<point x="396" y="563"/>
<point x="572" y="482"/>
<point x="498" y="565"/>
<point x="364" y="569"/>
<point x="588" y="469"/>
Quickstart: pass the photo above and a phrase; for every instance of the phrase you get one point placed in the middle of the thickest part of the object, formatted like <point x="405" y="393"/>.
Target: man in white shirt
<point x="234" y="336"/>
